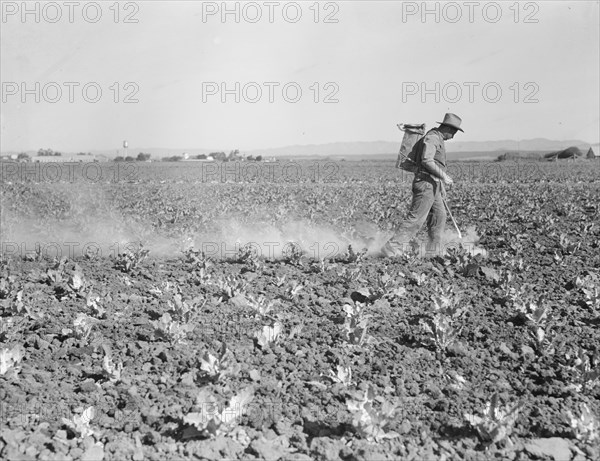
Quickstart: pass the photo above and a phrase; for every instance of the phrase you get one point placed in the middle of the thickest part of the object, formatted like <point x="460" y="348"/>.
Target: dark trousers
<point x="427" y="206"/>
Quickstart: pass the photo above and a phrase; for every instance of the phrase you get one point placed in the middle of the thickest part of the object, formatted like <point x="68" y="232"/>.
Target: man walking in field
<point x="428" y="190"/>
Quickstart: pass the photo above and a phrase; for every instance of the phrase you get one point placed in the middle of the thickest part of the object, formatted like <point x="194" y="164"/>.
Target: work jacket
<point x="432" y="152"/>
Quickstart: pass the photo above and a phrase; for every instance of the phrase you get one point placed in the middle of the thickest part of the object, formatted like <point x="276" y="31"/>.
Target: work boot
<point x="397" y="250"/>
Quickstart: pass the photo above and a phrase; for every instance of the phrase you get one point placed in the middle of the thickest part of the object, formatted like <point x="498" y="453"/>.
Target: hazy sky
<point x="510" y="70"/>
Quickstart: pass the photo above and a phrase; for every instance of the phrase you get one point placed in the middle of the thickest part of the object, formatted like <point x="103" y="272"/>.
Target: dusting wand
<point x="449" y="212"/>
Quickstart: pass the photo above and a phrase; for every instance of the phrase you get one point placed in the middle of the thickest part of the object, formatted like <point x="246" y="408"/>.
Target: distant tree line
<point x="48" y="153"/>
<point x="141" y="157"/>
<point x="515" y="156"/>
<point x="233" y="156"/>
<point x="218" y="156"/>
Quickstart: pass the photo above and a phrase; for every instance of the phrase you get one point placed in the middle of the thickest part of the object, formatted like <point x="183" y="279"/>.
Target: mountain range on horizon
<point x="362" y="149"/>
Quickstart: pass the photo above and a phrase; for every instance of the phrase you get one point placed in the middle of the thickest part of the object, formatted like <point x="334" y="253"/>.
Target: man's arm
<point x="429" y="164"/>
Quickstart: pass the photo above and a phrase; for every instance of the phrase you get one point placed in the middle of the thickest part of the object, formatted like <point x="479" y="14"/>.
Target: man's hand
<point x="446" y="181"/>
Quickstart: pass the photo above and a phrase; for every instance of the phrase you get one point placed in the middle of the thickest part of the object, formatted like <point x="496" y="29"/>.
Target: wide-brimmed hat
<point x="453" y="121"/>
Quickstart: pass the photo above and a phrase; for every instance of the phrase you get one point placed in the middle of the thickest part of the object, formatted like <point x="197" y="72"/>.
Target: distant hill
<point x="467" y="150"/>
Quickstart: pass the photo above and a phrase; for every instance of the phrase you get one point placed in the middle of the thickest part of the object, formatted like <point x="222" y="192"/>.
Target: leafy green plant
<point x="385" y="282"/>
<point x="131" y="259"/>
<point x="76" y="282"/>
<point x="36" y="256"/>
<point x="419" y="279"/>
<point x="512" y="295"/>
<point x="80" y="425"/>
<point x="320" y="267"/>
<point x="96" y="305"/>
<point x="352" y="256"/>
<point x="231" y="286"/>
<point x="14" y="304"/>
<point x="441" y="331"/>
<point x="92" y="254"/>
<point x="385" y="288"/>
<point x="166" y="286"/>
<point x="293" y="254"/>
<point x="497" y="421"/>
<point x="592" y="297"/>
<point x="354" y="329"/>
<point x="567" y="246"/>
<point x="197" y="258"/>
<point x="463" y="261"/>
<point x="82" y="327"/>
<point x="540" y="333"/>
<point x="68" y="283"/>
<point x="111" y="371"/>
<point x="249" y="256"/>
<point x="10" y="359"/>
<point x="8" y="286"/>
<point x="279" y="281"/>
<point x="203" y="277"/>
<point x="185" y="311"/>
<point x="268" y="334"/>
<point x="372" y="421"/>
<point x="210" y="421"/>
<point x="586" y="426"/>
<point x="514" y="263"/>
<point x="536" y="312"/>
<point x="542" y="340"/>
<point x="292" y="290"/>
<point x="455" y="381"/>
<point x="357" y="309"/>
<point x="590" y="287"/>
<point x="170" y="330"/>
<point x="11" y="298"/>
<point x="342" y="376"/>
<point x="587" y="371"/>
<point x="260" y="305"/>
<point x="446" y="302"/>
<point x="350" y="275"/>
<point x="216" y="367"/>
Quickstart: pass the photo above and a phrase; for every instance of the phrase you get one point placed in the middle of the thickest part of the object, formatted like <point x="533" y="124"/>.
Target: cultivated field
<point x="257" y="321"/>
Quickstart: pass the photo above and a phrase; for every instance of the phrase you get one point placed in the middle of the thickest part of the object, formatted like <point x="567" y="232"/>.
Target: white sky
<point x="369" y="54"/>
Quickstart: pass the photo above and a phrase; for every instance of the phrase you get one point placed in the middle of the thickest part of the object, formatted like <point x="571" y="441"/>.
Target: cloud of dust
<point x="92" y="225"/>
<point x="275" y="242"/>
<point x="89" y="224"/>
<point x="469" y="241"/>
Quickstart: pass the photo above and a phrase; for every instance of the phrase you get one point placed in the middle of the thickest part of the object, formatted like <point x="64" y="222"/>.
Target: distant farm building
<point x="591" y="154"/>
<point x="568" y="153"/>
<point x="197" y="158"/>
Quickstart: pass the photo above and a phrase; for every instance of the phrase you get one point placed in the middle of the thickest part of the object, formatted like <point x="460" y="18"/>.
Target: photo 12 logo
<point x="461" y="12"/>
<point x="471" y="92"/>
<point x="255" y="12"/>
<point x="70" y="12"/>
<point x="271" y="250"/>
<point x="38" y="251"/>
<point x="290" y="172"/>
<point x="60" y="169"/>
<point x="269" y="92"/>
<point x="70" y="92"/>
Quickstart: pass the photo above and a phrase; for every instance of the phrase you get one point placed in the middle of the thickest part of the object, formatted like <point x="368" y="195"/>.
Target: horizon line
<point x="306" y="145"/>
